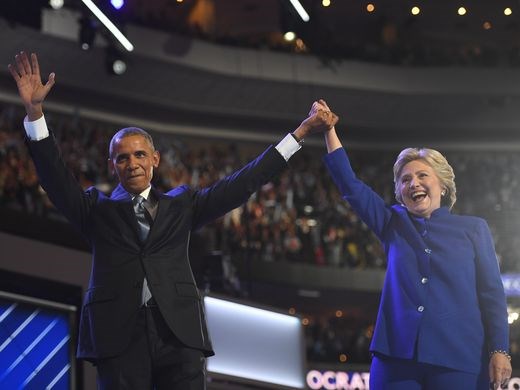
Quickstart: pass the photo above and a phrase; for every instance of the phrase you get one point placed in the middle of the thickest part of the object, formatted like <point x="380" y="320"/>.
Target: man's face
<point x="133" y="161"/>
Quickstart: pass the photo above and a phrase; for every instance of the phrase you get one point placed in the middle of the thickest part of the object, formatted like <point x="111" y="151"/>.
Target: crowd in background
<point x="299" y="218"/>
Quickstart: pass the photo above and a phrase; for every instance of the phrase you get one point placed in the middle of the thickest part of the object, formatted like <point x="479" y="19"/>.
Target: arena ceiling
<point x="334" y="34"/>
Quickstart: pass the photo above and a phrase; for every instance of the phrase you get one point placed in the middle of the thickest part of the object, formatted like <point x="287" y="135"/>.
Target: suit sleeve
<point x="60" y="185"/>
<point x="367" y="204"/>
<point x="235" y="189"/>
<point x="490" y="290"/>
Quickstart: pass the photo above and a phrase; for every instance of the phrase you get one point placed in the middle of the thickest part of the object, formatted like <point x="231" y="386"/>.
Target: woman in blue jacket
<point x="442" y="321"/>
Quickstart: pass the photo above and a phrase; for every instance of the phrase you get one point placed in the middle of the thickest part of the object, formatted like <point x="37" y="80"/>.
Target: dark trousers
<point x="388" y="373"/>
<point x="154" y="360"/>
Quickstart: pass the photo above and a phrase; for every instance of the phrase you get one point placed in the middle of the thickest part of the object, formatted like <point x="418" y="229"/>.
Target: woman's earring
<point x="443" y="193"/>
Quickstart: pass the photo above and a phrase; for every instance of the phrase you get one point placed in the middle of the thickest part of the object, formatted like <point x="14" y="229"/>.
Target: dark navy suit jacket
<point x="443" y="301"/>
<point x="120" y="261"/>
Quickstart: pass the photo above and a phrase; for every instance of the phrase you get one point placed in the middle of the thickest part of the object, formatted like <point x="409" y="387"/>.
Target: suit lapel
<point x="164" y="212"/>
<point x="125" y="208"/>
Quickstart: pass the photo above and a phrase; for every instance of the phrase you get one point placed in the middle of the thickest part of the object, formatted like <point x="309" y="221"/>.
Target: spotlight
<point x="115" y="62"/>
<point x="289" y="36"/>
<point x="117" y="4"/>
<point x="87" y="32"/>
<point x="56" y="4"/>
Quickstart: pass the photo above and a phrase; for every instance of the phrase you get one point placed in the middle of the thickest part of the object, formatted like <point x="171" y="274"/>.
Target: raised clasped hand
<point x="320" y="118"/>
<point x="28" y="80"/>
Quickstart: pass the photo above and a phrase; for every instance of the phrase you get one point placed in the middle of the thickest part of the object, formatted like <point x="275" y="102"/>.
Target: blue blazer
<point x="443" y="301"/>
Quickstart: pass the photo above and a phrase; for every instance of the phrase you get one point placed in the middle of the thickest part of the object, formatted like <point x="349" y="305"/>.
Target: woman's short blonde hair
<point x="440" y="166"/>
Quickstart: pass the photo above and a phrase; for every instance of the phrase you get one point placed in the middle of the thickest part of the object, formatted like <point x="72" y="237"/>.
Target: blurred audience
<point x="299" y="219"/>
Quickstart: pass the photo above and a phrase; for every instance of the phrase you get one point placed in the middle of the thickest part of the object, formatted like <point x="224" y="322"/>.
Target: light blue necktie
<point x="144" y="229"/>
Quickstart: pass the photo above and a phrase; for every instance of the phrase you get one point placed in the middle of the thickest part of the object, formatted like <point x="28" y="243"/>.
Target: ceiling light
<point x="289" y="36"/>
<point x="109" y="25"/>
<point x="301" y="11"/>
<point x="461" y="11"/>
<point x="117" y="4"/>
<point x="508" y="11"/>
<point x="115" y="62"/>
<point x="56" y="4"/>
<point x="371" y="7"/>
<point x="416" y="10"/>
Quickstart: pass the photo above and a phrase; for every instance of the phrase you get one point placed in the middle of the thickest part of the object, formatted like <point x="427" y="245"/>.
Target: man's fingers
<point x="26" y="64"/>
<point x="48" y="85"/>
<point x="14" y="73"/>
<point x="35" y="65"/>
<point x="19" y="65"/>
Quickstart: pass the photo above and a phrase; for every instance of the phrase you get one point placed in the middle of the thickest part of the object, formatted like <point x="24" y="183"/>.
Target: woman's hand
<point x="499" y="370"/>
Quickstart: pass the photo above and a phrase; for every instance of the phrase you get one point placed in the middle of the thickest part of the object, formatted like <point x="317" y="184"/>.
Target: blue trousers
<point x="387" y="373"/>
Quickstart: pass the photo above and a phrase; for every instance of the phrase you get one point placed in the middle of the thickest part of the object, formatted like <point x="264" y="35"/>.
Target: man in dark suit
<point x="142" y="321"/>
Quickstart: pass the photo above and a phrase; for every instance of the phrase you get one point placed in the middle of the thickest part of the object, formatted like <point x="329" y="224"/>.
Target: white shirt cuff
<point x="36" y="130"/>
<point x="288" y="146"/>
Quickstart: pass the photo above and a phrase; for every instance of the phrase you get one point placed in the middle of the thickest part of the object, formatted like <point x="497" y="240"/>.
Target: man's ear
<point x="156" y="158"/>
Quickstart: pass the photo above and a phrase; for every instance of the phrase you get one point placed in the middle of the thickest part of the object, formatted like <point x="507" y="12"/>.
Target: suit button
<point x="428" y="250"/>
<point x="424" y="280"/>
<point x="420" y="309"/>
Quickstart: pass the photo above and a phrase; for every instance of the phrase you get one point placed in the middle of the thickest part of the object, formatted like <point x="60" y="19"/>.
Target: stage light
<point x="119" y="67"/>
<point x="486" y="26"/>
<point x="289" y="36"/>
<point x="117" y="4"/>
<point x="508" y="11"/>
<point x="109" y="25"/>
<point x="325" y="3"/>
<point x="301" y="11"/>
<point x="371" y="7"/>
<point x="115" y="62"/>
<point x="416" y="10"/>
<point x="461" y="11"/>
<point x="87" y="32"/>
<point x="56" y="4"/>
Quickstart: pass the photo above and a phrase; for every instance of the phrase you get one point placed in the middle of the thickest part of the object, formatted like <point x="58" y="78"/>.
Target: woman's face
<point x="420" y="188"/>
